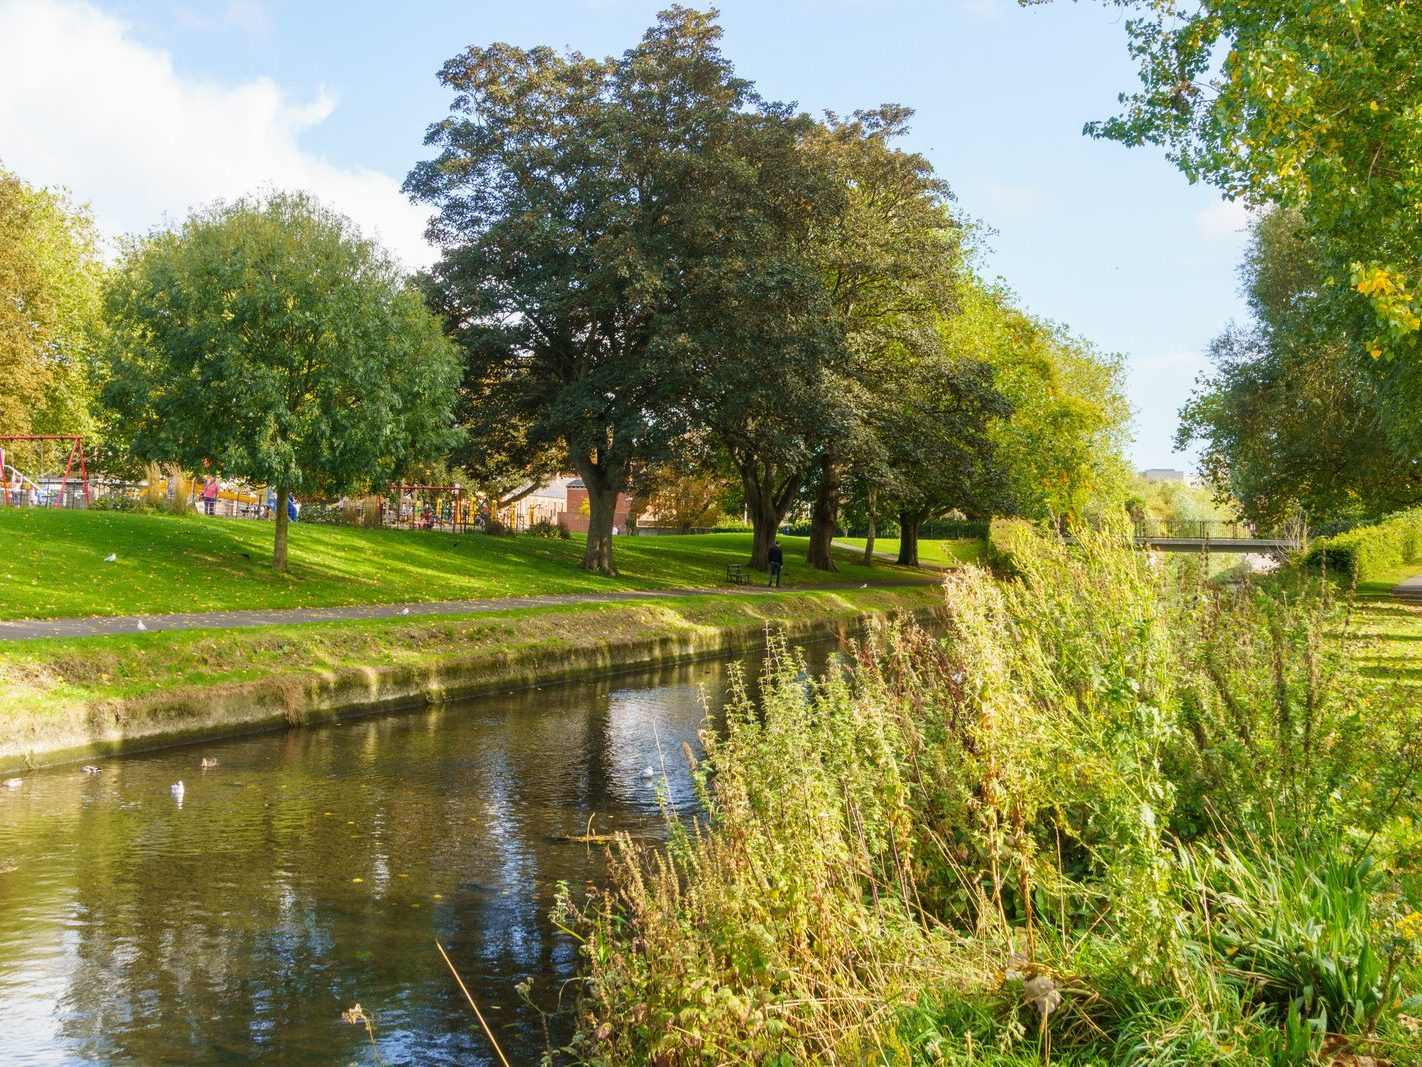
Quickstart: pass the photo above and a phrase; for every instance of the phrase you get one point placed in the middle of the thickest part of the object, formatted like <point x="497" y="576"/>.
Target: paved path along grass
<point x="230" y="620"/>
<point x="1409" y="590"/>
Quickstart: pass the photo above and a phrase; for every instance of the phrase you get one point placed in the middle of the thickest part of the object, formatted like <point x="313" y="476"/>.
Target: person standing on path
<point x="777" y="563"/>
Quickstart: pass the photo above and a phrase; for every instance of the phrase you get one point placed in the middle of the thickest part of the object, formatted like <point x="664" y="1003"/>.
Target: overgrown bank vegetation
<point x="1113" y="814"/>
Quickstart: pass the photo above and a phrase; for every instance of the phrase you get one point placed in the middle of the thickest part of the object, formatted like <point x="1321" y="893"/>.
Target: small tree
<point x="268" y="339"/>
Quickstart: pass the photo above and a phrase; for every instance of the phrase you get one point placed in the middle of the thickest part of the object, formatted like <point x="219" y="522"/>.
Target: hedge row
<point x="1367" y="551"/>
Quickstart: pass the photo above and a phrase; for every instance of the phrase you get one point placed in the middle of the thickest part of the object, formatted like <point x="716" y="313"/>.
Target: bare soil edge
<point x="183" y="716"/>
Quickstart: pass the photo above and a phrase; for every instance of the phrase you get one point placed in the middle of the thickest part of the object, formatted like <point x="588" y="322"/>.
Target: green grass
<point x="52" y="565"/>
<point x="948" y="553"/>
<point x="1388" y="632"/>
<point x="47" y="679"/>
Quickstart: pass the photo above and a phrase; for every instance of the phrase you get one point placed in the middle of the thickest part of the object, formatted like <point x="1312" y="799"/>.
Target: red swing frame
<point x="76" y="452"/>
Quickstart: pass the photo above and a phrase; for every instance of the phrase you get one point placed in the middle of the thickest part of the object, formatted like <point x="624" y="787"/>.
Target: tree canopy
<point x="1312" y="106"/>
<point x="603" y="224"/>
<point x="264" y="339"/>
<point x="1295" y="414"/>
<point x="50" y="273"/>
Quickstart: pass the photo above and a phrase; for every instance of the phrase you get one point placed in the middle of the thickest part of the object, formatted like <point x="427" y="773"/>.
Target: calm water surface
<point x="315" y="869"/>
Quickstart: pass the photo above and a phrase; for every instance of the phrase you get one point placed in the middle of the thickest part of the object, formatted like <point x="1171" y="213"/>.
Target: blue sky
<point x="147" y="109"/>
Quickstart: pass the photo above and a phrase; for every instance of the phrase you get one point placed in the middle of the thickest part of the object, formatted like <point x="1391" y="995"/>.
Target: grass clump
<point x="1113" y="814"/>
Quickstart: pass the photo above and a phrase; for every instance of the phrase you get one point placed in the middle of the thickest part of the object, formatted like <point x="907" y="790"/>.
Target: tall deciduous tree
<point x="890" y="260"/>
<point x="1295" y="415"/>
<point x="936" y="430"/>
<point x="267" y="339"/>
<point x="595" y="218"/>
<point x="50" y="273"/>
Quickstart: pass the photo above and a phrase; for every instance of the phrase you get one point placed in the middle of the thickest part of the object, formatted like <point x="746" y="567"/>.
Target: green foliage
<point x="625" y="248"/>
<point x="545" y="529"/>
<point x="1172" y="501"/>
<point x="968" y="848"/>
<point x="267" y="339"/>
<point x="1060" y="450"/>
<point x="1296" y="415"/>
<point x="1314" y="106"/>
<point x="50" y="272"/>
<point x="1368" y="551"/>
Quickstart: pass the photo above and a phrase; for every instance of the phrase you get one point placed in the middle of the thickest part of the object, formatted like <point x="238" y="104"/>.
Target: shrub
<point x="545" y="528"/>
<point x="122" y="502"/>
<point x="1368" y="551"/>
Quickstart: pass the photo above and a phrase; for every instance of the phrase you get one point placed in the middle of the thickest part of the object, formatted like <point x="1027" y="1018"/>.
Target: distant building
<point x="575" y="518"/>
<point x="1163" y="474"/>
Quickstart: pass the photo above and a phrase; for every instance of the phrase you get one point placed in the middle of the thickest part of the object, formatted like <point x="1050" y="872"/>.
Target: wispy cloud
<point x="154" y="144"/>
<point x="1224" y="221"/>
<point x="250" y="16"/>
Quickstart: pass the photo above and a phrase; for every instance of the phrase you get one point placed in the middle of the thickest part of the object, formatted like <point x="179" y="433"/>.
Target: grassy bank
<point x="61" y="694"/>
<point x="54" y="564"/>
<point x="1117" y="815"/>
<point x="945" y="553"/>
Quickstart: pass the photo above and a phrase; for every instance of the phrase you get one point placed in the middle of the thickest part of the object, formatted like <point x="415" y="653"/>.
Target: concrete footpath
<point x="1409" y="590"/>
<point x="100" y="626"/>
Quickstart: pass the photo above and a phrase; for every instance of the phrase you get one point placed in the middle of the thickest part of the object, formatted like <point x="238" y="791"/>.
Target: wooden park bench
<point x="736" y="573"/>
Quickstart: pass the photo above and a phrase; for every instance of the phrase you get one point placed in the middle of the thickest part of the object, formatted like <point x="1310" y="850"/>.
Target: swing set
<point x="47" y="484"/>
<point x="428" y="507"/>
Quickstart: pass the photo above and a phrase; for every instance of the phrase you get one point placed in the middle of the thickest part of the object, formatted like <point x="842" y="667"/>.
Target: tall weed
<point x="1108" y="813"/>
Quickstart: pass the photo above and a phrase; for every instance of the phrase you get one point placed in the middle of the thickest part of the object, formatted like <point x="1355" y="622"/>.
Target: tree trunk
<point x="765" y="524"/>
<point x="908" y="538"/>
<point x="869" y="539"/>
<point x="602" y="509"/>
<point x="283" y="496"/>
<point x="824" y="516"/>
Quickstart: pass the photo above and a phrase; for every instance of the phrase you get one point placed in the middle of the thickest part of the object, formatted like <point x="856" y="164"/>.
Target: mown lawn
<point x="52" y="564"/>
<point x="1388" y="631"/>
<point x="947" y="553"/>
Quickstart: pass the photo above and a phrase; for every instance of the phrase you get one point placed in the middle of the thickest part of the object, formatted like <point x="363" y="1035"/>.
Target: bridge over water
<point x="1216" y="535"/>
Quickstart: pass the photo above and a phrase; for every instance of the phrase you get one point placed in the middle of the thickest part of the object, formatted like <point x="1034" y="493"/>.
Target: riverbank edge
<point x="169" y="718"/>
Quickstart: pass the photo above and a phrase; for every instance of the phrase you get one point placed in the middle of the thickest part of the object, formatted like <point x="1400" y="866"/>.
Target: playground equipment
<point x="46" y="484"/>
<point x="428" y="507"/>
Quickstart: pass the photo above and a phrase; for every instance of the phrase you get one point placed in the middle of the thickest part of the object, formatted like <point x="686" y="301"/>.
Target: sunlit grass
<point x="52" y="564"/>
<point x="1388" y="631"/>
<point x="946" y="553"/>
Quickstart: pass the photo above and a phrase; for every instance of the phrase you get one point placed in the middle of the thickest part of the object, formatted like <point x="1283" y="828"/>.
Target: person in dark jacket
<point x="777" y="563"/>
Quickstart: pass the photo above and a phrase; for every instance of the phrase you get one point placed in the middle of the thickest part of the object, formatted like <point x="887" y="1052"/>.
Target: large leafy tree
<point x="50" y="273"/>
<point x="1315" y="106"/>
<point x="935" y="429"/>
<point x="891" y="261"/>
<point x="266" y="339"/>
<point x="599" y="221"/>
<point x="1295" y="415"/>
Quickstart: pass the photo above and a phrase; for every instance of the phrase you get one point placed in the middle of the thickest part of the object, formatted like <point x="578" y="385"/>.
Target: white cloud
<point x="86" y="105"/>
<point x="1223" y="222"/>
<point x="249" y="16"/>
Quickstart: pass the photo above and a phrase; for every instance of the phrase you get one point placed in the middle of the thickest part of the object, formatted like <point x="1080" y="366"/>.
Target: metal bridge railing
<point x="1207" y="530"/>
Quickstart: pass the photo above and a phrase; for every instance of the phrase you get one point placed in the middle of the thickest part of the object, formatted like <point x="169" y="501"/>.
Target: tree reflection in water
<point x="314" y="869"/>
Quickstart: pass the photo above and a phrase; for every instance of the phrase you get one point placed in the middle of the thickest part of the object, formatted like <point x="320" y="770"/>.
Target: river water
<point x="311" y="870"/>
